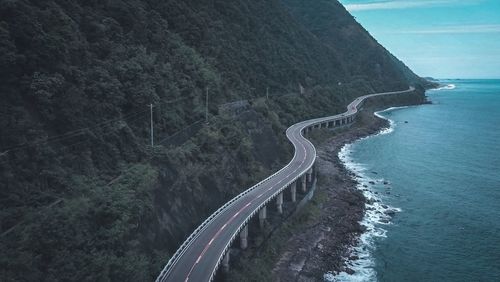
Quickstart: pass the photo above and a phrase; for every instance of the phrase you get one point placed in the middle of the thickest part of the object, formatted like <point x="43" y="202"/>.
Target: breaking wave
<point x="446" y="87"/>
<point x="377" y="214"/>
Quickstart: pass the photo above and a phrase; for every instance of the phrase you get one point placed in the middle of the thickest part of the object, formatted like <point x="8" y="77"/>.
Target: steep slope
<point x="253" y="45"/>
<point x="333" y="25"/>
<point x="82" y="193"/>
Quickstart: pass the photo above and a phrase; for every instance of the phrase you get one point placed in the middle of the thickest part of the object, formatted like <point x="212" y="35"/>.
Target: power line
<point x="165" y="101"/>
<point x="177" y="100"/>
<point x="72" y="133"/>
<point x="77" y="132"/>
<point x="179" y="131"/>
<point x="62" y="148"/>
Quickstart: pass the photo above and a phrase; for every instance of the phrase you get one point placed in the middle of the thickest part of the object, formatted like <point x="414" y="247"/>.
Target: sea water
<point x="434" y="210"/>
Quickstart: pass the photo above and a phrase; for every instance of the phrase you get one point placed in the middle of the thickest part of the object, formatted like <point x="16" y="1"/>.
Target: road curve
<point x="200" y="255"/>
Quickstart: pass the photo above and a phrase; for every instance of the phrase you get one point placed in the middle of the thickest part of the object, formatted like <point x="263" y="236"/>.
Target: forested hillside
<point x="364" y="58"/>
<point x="83" y="195"/>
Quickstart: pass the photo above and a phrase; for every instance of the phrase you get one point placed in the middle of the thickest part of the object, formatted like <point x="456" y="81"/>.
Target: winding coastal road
<point x="200" y="255"/>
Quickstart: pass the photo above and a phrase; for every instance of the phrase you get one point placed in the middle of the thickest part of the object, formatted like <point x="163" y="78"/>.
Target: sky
<point x="436" y="38"/>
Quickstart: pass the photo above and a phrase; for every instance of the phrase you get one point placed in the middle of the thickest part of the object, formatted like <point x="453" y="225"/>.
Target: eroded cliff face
<point x="83" y="195"/>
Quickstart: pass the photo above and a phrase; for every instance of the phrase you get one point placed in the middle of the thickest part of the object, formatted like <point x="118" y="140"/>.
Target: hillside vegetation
<point x="83" y="195"/>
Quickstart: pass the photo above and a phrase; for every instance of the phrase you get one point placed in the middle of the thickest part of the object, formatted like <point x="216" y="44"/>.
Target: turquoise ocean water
<point x="441" y="168"/>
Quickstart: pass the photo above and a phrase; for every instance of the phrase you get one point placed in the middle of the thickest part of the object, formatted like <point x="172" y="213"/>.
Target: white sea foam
<point x="374" y="220"/>
<point x="446" y="87"/>
<point x="392" y="124"/>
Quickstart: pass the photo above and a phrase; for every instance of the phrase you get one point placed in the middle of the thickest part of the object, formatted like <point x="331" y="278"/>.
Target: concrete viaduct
<point x="207" y="248"/>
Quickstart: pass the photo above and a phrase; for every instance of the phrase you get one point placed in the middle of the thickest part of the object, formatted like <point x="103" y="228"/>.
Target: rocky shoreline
<point x="303" y="245"/>
<point x="324" y="243"/>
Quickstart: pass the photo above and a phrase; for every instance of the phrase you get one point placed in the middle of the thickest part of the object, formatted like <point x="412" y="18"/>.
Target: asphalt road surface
<point x="200" y="255"/>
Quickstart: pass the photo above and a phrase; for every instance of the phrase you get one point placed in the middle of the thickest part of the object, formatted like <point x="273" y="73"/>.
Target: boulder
<point x="349" y="271"/>
<point x="390" y="213"/>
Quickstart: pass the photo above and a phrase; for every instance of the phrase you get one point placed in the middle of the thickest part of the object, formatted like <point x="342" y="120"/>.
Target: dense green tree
<point x="82" y="195"/>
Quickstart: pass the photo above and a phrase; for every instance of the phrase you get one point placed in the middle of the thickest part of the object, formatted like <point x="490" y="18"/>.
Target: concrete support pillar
<point x="293" y="190"/>
<point x="309" y="175"/>
<point x="279" y="203"/>
<point x="303" y="183"/>
<point x="225" y="262"/>
<point x="262" y="216"/>
<point x="315" y="172"/>
<point x="244" y="237"/>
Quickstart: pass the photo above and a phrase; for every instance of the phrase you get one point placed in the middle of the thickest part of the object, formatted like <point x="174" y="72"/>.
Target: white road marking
<point x="292" y="137"/>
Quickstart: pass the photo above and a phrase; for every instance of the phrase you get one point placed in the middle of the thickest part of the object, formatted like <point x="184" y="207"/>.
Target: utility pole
<point x="206" y="106"/>
<point x="267" y="93"/>
<point x="151" y="110"/>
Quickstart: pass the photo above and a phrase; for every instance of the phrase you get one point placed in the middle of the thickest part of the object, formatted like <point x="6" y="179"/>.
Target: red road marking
<point x="235" y="215"/>
<point x="214" y="237"/>
<point x="248" y="204"/>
